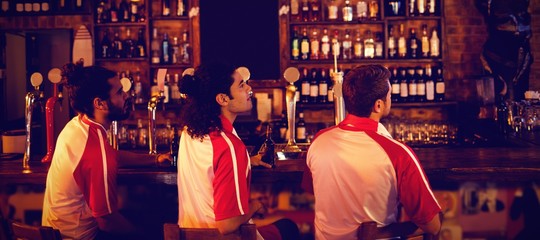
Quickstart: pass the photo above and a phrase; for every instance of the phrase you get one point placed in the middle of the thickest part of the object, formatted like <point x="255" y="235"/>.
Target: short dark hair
<point x="200" y="114"/>
<point x="85" y="84"/>
<point x="363" y="86"/>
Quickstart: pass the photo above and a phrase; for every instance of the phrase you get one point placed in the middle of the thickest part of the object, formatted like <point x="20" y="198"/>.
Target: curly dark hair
<point x="363" y="86"/>
<point x="200" y="113"/>
<point x="85" y="84"/>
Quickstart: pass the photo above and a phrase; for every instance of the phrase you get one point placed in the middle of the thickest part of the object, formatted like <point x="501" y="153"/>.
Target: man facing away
<point x="80" y="196"/>
<point x="214" y="169"/>
<point x="358" y="173"/>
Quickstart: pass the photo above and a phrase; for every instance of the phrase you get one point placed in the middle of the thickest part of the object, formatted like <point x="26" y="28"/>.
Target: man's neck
<point x="101" y="120"/>
<point x="229" y="116"/>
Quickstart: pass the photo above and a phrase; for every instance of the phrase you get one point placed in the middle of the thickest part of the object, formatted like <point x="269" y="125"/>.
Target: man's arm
<point x="115" y="223"/>
<point x="432" y="227"/>
<point x="232" y="224"/>
<point x="131" y="159"/>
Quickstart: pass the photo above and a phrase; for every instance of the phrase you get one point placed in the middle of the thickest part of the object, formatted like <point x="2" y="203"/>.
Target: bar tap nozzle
<point x="152" y="104"/>
<point x="339" y="103"/>
<point x="36" y="79"/>
<point x="55" y="77"/>
<point x="291" y="74"/>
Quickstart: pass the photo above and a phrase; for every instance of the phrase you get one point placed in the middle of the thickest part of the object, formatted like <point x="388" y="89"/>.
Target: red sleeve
<point x="96" y="175"/>
<point x="307" y="179"/>
<point x="231" y="179"/>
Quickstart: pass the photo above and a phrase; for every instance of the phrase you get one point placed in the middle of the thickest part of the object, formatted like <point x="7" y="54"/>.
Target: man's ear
<point x="378" y="106"/>
<point x="222" y="99"/>
<point x="100" y="104"/>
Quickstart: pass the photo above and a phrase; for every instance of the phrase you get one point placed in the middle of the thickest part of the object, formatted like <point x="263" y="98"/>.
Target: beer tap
<point x="337" y="77"/>
<point x="36" y="79"/>
<point x="292" y="75"/>
<point x="55" y="77"/>
<point x="152" y="104"/>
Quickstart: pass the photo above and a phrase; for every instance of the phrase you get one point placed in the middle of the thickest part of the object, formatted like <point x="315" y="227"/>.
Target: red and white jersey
<point x="359" y="173"/>
<point x="81" y="183"/>
<point x="213" y="178"/>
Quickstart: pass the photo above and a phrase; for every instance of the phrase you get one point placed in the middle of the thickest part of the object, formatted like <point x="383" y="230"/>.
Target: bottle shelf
<point x="121" y="59"/>
<point x="317" y="106"/>
<point x="368" y="60"/>
<point x="165" y="18"/>
<point x="170" y="106"/>
<point x="401" y="18"/>
<point x="183" y="65"/>
<point x="122" y="24"/>
<point x="338" y="22"/>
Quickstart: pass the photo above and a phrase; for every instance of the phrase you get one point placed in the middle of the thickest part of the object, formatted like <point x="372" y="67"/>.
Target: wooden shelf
<point x="368" y="60"/>
<point x="316" y="106"/>
<point x="183" y="65"/>
<point x="338" y="22"/>
<point x="122" y="24"/>
<point x="401" y="18"/>
<point x="170" y="106"/>
<point x="164" y="18"/>
<point x="121" y="59"/>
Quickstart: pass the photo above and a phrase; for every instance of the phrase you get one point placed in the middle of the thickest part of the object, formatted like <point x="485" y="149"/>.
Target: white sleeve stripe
<point x="411" y="155"/>
<point x="235" y="170"/>
<point x="104" y="162"/>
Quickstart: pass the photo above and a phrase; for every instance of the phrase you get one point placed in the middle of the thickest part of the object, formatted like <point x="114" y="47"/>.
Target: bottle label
<point x="369" y="51"/>
<point x="347" y="14"/>
<point x="314" y="46"/>
<point x="295" y="48"/>
<point x="414" y="44"/>
<point x="305" y="89"/>
<point x="330" y="95"/>
<point x="314" y="90"/>
<point x="332" y="12"/>
<point x="28" y="7"/>
<point x="323" y="89"/>
<point x="413" y="89"/>
<point x="304" y="47"/>
<point x="36" y="7"/>
<point x="294" y="7"/>
<point x="395" y="88"/>
<point x="391" y="43"/>
<point x="5" y="6"/>
<point x="45" y="6"/>
<point x="430" y="91"/>
<point x="358" y="50"/>
<point x="425" y="45"/>
<point x="421" y="89"/>
<point x="378" y="49"/>
<point x="19" y="7"/>
<point x="301" y="133"/>
<point x="403" y="91"/>
<point x="325" y="47"/>
<point x="402" y="47"/>
<point x="361" y="9"/>
<point x="439" y="88"/>
<point x="434" y="47"/>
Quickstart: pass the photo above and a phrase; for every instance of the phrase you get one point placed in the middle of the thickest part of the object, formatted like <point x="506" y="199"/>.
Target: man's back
<point x="359" y="175"/>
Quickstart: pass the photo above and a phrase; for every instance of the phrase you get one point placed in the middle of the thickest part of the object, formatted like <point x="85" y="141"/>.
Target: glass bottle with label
<point x="165" y="50"/>
<point x="114" y="12"/>
<point x="421" y="6"/>
<point x="402" y="43"/>
<point x="155" y="48"/>
<point x="413" y="87"/>
<point x="347" y="12"/>
<point x="267" y="148"/>
<point x="430" y="85"/>
<point x="304" y="45"/>
<point x="305" y="11"/>
<point x="369" y="45"/>
<point x="420" y="85"/>
<point x="358" y="46"/>
<point x="336" y="45"/>
<point x="295" y="10"/>
<point x="301" y="129"/>
<point x="175" y="144"/>
<point x="379" y="51"/>
<point x="315" y="11"/>
<point x="175" y="51"/>
<point x="392" y="50"/>
<point x="347" y="46"/>
<point x="434" y="44"/>
<point x="439" y="85"/>
<point x="314" y="86"/>
<point x="138" y="88"/>
<point x="118" y="49"/>
<point x="185" y="48"/>
<point x="403" y="85"/>
<point x="425" y="42"/>
<point x="105" y="46"/>
<point x="314" y="44"/>
<point x="181" y="6"/>
<point x="323" y="87"/>
<point x="295" y="45"/>
<point x="175" y="91"/>
<point x="332" y="10"/>
<point x="125" y="14"/>
<point x="140" y="48"/>
<point x="165" y="8"/>
<point x="413" y="44"/>
<point x="305" y="87"/>
<point x="374" y="10"/>
<point x="283" y="125"/>
<point x="394" y="82"/>
<point x="361" y="10"/>
<point x="129" y="45"/>
<point x="325" y="45"/>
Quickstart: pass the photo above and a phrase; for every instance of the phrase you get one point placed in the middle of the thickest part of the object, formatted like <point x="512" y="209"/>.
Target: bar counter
<point x="445" y="167"/>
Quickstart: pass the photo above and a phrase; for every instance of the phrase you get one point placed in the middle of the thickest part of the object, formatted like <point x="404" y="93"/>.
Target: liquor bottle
<point x="330" y="86"/>
<point x="369" y="45"/>
<point x="19" y="6"/>
<point x="373" y="10"/>
<point x="118" y="49"/>
<point x="379" y="52"/>
<point x="142" y="133"/>
<point x="413" y="45"/>
<point x="421" y="6"/>
<point x="36" y="6"/>
<point x="439" y="85"/>
<point x="431" y="7"/>
<point x="106" y="15"/>
<point x="336" y="47"/>
<point x="392" y="50"/>
<point x="301" y="129"/>
<point x="185" y="48"/>
<point x="434" y="44"/>
<point x="166" y="90"/>
<point x="347" y="46"/>
<point x="78" y="4"/>
<point x="175" y="51"/>
<point x="395" y="8"/>
<point x="181" y="8"/>
<point x="175" y="91"/>
<point x="394" y="82"/>
<point x="315" y="11"/>
<point x="420" y="85"/>
<point x="175" y="145"/>
<point x="403" y="85"/>
<point x="358" y="46"/>
<point x="165" y="8"/>
<point x="503" y="116"/>
<point x="347" y="12"/>
<point x="134" y="11"/>
<point x="165" y="50"/>
<point x="314" y="86"/>
<point x="140" y="48"/>
<point x="295" y="13"/>
<point x="402" y="43"/>
<point x="141" y="13"/>
<point x="105" y="46"/>
<point x="323" y="87"/>
<point x="5" y="7"/>
<point x="305" y="11"/>
<point x="413" y="9"/>
<point x="425" y="42"/>
<point x="295" y="45"/>
<point x="129" y="45"/>
<point x="283" y="125"/>
<point x="154" y="47"/>
<point x="27" y="6"/>
<point x="325" y="45"/>
<point x="304" y="45"/>
<point x="267" y="149"/>
<point x="100" y="11"/>
<point x="314" y="45"/>
<point x="361" y="10"/>
<point x="114" y="12"/>
<point x="138" y="88"/>
<point x="412" y="84"/>
<point x="332" y="10"/>
<point x="154" y="90"/>
<point x="305" y="85"/>
<point x="430" y="85"/>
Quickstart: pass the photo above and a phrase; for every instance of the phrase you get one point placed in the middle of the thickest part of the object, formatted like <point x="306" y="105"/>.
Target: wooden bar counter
<point x="445" y="167"/>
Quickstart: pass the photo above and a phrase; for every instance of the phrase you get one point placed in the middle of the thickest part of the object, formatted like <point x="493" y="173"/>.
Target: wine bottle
<point x="301" y="129"/>
<point x="267" y="149"/>
<point x="175" y="144"/>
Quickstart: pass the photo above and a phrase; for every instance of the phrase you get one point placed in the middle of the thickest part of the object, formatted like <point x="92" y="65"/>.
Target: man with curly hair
<point x="214" y="169"/>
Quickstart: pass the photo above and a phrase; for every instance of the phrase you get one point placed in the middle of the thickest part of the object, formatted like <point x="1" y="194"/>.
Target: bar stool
<point x="403" y="230"/>
<point x="27" y="232"/>
<point x="173" y="232"/>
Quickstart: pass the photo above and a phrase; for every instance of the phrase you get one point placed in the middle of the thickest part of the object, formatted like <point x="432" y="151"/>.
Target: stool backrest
<point x="27" y="232"/>
<point x="404" y="230"/>
<point x="173" y="232"/>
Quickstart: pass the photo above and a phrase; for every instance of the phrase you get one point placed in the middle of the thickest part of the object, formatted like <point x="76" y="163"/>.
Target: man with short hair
<point x="80" y="196"/>
<point x="358" y="173"/>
